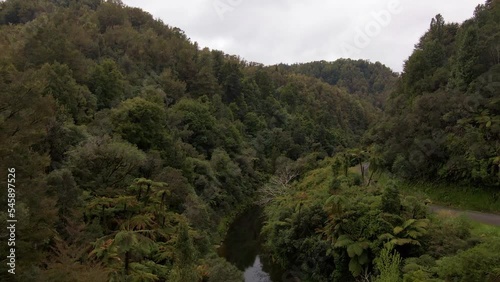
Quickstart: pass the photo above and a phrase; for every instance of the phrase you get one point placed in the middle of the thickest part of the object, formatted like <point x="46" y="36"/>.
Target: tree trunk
<point x="370" y="180"/>
<point x="362" y="171"/>
<point x="127" y="262"/>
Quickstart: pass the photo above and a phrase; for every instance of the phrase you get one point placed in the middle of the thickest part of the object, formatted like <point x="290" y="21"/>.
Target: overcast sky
<point x="290" y="31"/>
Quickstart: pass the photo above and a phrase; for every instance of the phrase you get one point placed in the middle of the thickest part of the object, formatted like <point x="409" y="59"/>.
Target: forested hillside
<point x="371" y="82"/>
<point x="329" y="225"/>
<point x="441" y="124"/>
<point x="443" y="120"/>
<point x="133" y="147"/>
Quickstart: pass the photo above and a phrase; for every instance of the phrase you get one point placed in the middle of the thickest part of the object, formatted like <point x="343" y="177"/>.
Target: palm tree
<point x="117" y="250"/>
<point x="144" y="232"/>
<point x="377" y="163"/>
<point x="408" y="233"/>
<point x="185" y="258"/>
<point x="357" y="250"/>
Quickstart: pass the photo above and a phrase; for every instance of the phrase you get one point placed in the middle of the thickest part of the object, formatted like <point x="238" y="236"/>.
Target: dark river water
<point x="242" y="247"/>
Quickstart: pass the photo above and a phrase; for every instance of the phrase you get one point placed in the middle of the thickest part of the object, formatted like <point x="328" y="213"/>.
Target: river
<point x="243" y="248"/>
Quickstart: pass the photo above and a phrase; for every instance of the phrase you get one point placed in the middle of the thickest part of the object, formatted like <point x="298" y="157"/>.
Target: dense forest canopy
<point x="443" y="119"/>
<point x="134" y="147"/>
<point x="440" y="123"/>
<point x="371" y="82"/>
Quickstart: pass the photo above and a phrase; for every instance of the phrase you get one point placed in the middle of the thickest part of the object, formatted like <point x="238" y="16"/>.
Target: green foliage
<point x="420" y="269"/>
<point x="134" y="141"/>
<point x="103" y="163"/>
<point x="291" y="235"/>
<point x="373" y="82"/>
<point x="184" y="258"/>
<point x="466" y="197"/>
<point x="391" y="200"/>
<point x="195" y="123"/>
<point x="63" y="186"/>
<point x="357" y="252"/>
<point x="74" y="99"/>
<point x="24" y="114"/>
<point x="388" y="265"/>
<point x="106" y="82"/>
<point x="140" y="122"/>
<point x="441" y="122"/>
<point x="222" y="271"/>
<point x="479" y="263"/>
<point x="355" y="231"/>
<point x="408" y="233"/>
<point x="369" y="230"/>
<point x="447" y="236"/>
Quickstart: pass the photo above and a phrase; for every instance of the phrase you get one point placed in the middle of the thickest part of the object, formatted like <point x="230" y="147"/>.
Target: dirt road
<point x="488" y="218"/>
